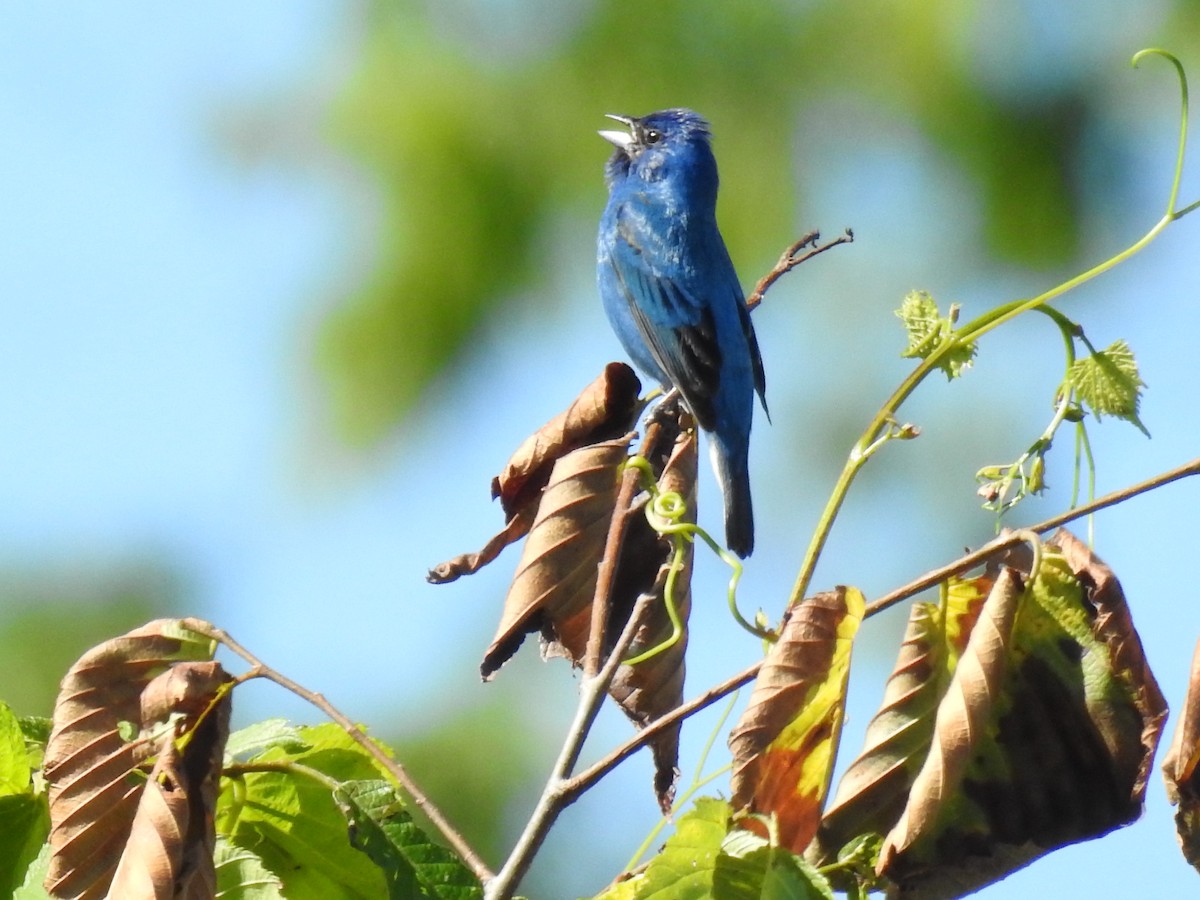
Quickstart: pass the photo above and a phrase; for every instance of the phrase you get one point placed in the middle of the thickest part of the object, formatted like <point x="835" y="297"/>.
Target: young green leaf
<point x="1108" y="383"/>
<point x="261" y="737"/>
<point x="750" y="867"/>
<point x="32" y="888"/>
<point x="24" y="817"/>
<point x="684" y="869"/>
<point x="928" y="331"/>
<point x="289" y="819"/>
<point x="241" y="874"/>
<point x="413" y="865"/>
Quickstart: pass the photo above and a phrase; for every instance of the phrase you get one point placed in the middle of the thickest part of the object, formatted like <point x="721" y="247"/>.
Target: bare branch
<point x="791" y="258"/>
<point x="590" y="776"/>
<point x="980" y="556"/>
<point x="259" y="669"/>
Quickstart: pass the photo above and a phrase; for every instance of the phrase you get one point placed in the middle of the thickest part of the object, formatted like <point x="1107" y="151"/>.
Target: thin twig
<point x="789" y="260"/>
<point x="259" y="669"/>
<point x="585" y="779"/>
<point x="606" y="577"/>
<point x="594" y="773"/>
<point x="285" y="767"/>
<point x="980" y="556"/>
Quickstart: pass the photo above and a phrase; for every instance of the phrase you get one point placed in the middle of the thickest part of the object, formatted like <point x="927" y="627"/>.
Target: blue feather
<point x="672" y="295"/>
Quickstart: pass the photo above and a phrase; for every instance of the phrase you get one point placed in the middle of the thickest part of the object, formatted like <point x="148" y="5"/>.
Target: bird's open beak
<point x="622" y="140"/>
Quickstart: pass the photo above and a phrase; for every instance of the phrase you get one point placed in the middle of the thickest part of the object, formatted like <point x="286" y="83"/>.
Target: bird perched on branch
<point x="672" y="295"/>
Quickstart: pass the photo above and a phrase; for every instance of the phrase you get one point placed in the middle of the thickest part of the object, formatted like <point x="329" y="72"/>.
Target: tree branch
<point x="791" y="258"/>
<point x="590" y="776"/>
<point x="980" y="556"/>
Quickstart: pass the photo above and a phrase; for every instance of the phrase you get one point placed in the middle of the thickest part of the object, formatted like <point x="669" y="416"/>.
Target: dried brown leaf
<point x="1113" y="628"/>
<point x="655" y="686"/>
<point x="1048" y="747"/>
<point x="785" y="743"/>
<point x="605" y="410"/>
<point x="555" y="582"/>
<point x="962" y="718"/>
<point x="470" y="563"/>
<point x="169" y="852"/>
<point x="874" y="789"/>
<point x="1181" y="769"/>
<point x="120" y="709"/>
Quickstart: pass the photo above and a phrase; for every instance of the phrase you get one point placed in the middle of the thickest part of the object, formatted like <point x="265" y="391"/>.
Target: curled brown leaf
<point x="1044" y="744"/>
<point x="874" y="789"/>
<point x="121" y="708"/>
<point x="962" y="717"/>
<point x="606" y="409"/>
<point x="555" y="581"/>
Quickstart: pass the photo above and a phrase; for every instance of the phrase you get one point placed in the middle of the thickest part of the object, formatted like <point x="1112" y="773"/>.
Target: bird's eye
<point x="653" y="137"/>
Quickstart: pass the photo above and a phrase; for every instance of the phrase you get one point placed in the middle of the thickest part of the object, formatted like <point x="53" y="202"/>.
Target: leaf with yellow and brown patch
<point x="785" y="743"/>
<point x="873" y="790"/>
<point x="1045" y="734"/>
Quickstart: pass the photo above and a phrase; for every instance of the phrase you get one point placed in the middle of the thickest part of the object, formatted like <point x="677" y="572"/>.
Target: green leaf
<point x="24" y="815"/>
<point x="919" y="313"/>
<point x="413" y="865"/>
<point x="242" y="875"/>
<point x="36" y="730"/>
<point x="35" y="877"/>
<point x="290" y="820"/>
<point x="262" y="736"/>
<point x="1107" y="383"/>
<point x="929" y="331"/>
<point x="685" y="867"/>
<point x="14" y="763"/>
<point x="750" y="868"/>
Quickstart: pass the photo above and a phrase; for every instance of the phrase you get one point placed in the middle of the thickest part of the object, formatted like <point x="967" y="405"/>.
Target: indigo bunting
<point x="672" y="295"/>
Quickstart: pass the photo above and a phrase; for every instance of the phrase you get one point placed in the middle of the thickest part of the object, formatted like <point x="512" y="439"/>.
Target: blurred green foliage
<point x="479" y="130"/>
<point x="54" y="616"/>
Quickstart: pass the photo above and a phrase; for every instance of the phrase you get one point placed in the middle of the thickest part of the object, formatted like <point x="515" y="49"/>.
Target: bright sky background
<point x="159" y="294"/>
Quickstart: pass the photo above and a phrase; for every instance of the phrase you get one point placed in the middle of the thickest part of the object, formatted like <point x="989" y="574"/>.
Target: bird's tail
<point x="733" y="475"/>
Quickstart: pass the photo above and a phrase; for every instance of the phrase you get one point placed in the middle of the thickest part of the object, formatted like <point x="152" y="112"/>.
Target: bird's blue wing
<point x="760" y="377"/>
<point x="679" y="330"/>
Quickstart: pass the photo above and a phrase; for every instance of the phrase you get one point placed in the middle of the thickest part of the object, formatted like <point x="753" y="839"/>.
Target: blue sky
<point x="159" y="295"/>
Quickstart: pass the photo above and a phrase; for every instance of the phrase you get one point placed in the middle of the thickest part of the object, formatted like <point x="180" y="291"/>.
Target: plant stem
<point x="972" y="331"/>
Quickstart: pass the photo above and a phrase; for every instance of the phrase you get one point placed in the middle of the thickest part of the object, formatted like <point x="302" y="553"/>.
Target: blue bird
<point x="672" y="295"/>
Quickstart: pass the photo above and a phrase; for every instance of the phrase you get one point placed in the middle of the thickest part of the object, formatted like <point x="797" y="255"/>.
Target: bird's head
<point x="653" y="141"/>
